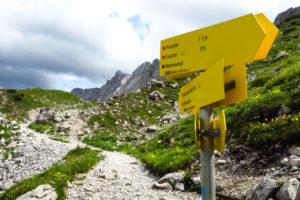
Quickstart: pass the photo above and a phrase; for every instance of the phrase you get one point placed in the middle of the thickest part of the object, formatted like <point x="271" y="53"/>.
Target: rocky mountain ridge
<point x="121" y="82"/>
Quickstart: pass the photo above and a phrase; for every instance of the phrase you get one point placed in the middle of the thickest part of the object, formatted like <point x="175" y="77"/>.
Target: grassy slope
<point x="16" y="103"/>
<point x="79" y="160"/>
<point x="253" y="122"/>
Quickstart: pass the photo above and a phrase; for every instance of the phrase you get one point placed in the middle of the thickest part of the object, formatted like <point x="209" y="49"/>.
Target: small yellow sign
<point x="205" y="89"/>
<point x="235" y="41"/>
<point x="236" y="73"/>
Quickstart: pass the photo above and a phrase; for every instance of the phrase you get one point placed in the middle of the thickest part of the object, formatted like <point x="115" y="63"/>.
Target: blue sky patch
<point x="140" y="28"/>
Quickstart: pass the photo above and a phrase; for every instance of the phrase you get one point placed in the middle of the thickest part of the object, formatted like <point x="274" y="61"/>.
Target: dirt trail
<point x="120" y="176"/>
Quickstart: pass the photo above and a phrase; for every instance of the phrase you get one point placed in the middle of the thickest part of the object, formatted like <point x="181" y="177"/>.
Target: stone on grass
<point x="151" y="128"/>
<point x="290" y="190"/>
<point x="172" y="178"/>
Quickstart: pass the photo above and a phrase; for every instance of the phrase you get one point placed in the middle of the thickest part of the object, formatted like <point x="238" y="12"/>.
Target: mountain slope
<point x="122" y="82"/>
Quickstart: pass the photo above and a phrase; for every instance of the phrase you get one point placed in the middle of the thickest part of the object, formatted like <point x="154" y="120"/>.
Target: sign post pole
<point x="208" y="188"/>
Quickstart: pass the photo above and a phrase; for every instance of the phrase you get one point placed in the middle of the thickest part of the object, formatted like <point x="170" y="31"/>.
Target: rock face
<point x="122" y="82"/>
<point x="291" y="12"/>
<point x="263" y="190"/>
<point x="290" y="190"/>
<point x="105" y="91"/>
<point x="141" y="76"/>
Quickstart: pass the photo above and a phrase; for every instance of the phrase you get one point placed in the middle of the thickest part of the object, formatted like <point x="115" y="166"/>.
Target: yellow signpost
<point x="220" y="52"/>
<point x="206" y="88"/>
<point x="236" y="73"/>
<point x="234" y="40"/>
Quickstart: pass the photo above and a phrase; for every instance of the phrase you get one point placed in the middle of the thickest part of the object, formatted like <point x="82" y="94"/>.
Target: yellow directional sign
<point x="236" y="73"/>
<point x="236" y="41"/>
<point x="271" y="33"/>
<point x="205" y="89"/>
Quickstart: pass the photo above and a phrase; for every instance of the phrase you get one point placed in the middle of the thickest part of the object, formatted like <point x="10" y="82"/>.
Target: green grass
<point x="79" y="160"/>
<point x="16" y="103"/>
<point x="173" y="149"/>
<point x="41" y="128"/>
<point x="106" y="141"/>
<point x="59" y="139"/>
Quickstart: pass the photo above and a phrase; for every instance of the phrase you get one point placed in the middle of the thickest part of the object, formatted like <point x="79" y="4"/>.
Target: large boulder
<point x="264" y="190"/>
<point x="290" y="190"/>
<point x="45" y="116"/>
<point x="156" y="95"/>
<point x="286" y="15"/>
<point x="295" y="161"/>
<point x="42" y="192"/>
<point x="172" y="178"/>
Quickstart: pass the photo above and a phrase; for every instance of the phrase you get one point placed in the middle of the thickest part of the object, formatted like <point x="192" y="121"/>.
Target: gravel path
<point x="121" y="177"/>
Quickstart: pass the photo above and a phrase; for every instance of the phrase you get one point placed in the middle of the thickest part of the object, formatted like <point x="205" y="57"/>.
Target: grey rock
<point x="18" y="133"/>
<point x="294" y="161"/>
<point x="151" y="128"/>
<point x="283" y="110"/>
<point x="42" y="192"/>
<point x="290" y="190"/>
<point x="140" y="77"/>
<point x="63" y="129"/>
<point x="285" y="161"/>
<point x="57" y="119"/>
<point x="219" y="188"/>
<point x="162" y="186"/>
<point x="221" y="162"/>
<point x="294" y="151"/>
<point x="2" y="141"/>
<point x="157" y="83"/>
<point x="11" y="146"/>
<point x="179" y="186"/>
<point x="294" y="169"/>
<point x="264" y="190"/>
<point x="196" y="180"/>
<point x="13" y="123"/>
<point x="298" y="46"/>
<point x="45" y="116"/>
<point x="18" y="154"/>
<point x="106" y="91"/>
<point x="251" y="77"/>
<point x="122" y="82"/>
<point x="172" y="178"/>
<point x="282" y="17"/>
<point x="156" y="95"/>
<point x="281" y="54"/>
<point x="173" y="85"/>
<point x="67" y="115"/>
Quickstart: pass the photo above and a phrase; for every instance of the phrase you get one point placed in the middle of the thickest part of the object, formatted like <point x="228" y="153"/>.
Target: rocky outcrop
<point x="121" y="83"/>
<point x="286" y="15"/>
<point x="106" y="91"/>
<point x="140" y="77"/>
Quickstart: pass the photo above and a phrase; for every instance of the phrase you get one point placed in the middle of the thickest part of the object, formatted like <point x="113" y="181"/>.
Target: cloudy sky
<point x="63" y="44"/>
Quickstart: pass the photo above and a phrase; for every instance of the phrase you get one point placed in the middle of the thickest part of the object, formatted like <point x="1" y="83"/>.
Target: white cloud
<point x="92" y="39"/>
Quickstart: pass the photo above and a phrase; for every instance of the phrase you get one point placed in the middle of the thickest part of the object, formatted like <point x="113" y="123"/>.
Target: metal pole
<point x="207" y="156"/>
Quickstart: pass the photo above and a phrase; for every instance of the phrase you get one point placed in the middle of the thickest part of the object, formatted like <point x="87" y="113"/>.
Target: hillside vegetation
<point x="269" y="116"/>
<point x="16" y="103"/>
